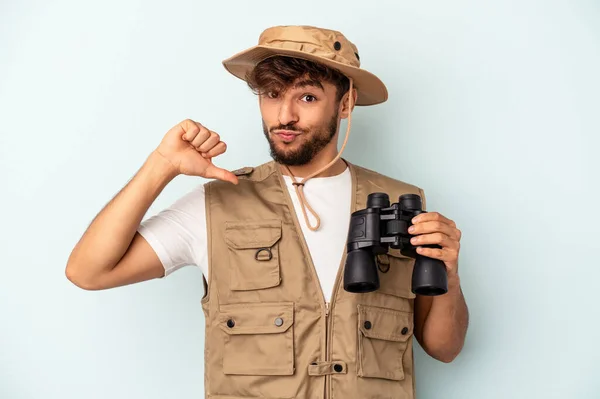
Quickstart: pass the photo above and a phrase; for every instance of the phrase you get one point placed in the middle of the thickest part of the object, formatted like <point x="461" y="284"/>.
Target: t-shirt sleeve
<point x="178" y="233"/>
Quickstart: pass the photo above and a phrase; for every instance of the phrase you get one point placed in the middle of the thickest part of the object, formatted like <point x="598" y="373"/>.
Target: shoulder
<point x="373" y="181"/>
<point x="380" y="179"/>
<point x="245" y="174"/>
<point x="190" y="201"/>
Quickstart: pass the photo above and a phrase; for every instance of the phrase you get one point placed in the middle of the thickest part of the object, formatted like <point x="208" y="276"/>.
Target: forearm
<point x="446" y="325"/>
<point x="109" y="235"/>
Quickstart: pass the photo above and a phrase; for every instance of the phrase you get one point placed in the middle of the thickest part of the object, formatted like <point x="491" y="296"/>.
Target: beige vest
<point x="269" y="332"/>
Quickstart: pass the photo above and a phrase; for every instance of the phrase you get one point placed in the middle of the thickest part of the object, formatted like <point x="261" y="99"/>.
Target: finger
<point x="435" y="238"/>
<point x="443" y="254"/>
<point x="214" y="172"/>
<point x="210" y="142"/>
<point x="201" y="137"/>
<point x="432" y="227"/>
<point x="432" y="216"/>
<point x="190" y="129"/>
<point x="218" y="149"/>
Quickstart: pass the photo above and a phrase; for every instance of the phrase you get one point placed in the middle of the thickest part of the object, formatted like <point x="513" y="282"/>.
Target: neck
<point x="318" y="162"/>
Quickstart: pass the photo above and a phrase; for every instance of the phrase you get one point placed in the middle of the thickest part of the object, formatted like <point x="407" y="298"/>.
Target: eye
<point x="272" y="94"/>
<point x="309" y="98"/>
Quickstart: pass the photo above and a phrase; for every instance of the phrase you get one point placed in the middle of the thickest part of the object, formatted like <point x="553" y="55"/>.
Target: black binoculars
<point x="380" y="226"/>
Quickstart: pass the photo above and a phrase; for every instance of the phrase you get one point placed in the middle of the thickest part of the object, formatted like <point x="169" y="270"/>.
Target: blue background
<point x="493" y="110"/>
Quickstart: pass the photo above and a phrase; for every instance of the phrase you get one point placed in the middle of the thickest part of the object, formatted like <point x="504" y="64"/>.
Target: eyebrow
<point x="308" y="82"/>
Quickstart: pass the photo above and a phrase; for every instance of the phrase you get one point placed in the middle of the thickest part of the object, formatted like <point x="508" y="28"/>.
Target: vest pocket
<point x="395" y="274"/>
<point x="259" y="338"/>
<point x="383" y="336"/>
<point x="253" y="254"/>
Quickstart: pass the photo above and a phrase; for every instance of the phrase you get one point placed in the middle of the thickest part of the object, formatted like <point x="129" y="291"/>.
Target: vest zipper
<point x="336" y="285"/>
<point x="326" y="385"/>
<point x="313" y="270"/>
<point x="328" y="328"/>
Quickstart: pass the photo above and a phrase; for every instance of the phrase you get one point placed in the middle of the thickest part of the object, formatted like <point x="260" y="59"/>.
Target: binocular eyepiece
<point x="380" y="226"/>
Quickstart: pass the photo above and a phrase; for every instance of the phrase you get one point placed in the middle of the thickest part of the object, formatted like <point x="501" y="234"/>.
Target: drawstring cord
<point x="299" y="185"/>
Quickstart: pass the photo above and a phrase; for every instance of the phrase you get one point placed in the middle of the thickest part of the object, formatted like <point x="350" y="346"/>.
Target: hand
<point x="434" y="228"/>
<point x="190" y="147"/>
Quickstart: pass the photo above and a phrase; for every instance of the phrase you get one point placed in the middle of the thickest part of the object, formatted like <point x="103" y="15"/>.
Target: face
<point x="301" y="121"/>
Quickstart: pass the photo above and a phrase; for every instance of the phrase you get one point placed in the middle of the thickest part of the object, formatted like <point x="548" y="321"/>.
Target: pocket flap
<point x="385" y="324"/>
<point x="252" y="234"/>
<point x="256" y="318"/>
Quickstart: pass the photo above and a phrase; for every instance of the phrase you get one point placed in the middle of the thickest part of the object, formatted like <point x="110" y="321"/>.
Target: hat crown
<point x="324" y="46"/>
<point x="312" y="40"/>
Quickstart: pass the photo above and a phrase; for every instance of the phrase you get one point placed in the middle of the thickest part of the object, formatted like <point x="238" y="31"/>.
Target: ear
<point x="344" y="109"/>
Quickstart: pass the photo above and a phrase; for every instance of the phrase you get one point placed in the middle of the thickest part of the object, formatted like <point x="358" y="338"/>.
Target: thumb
<point x="214" y="172"/>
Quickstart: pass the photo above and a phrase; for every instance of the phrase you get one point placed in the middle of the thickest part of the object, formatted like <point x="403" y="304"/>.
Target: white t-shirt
<point x="178" y="233"/>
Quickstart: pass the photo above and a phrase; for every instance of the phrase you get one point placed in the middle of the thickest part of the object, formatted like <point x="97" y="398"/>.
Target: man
<point x="271" y="240"/>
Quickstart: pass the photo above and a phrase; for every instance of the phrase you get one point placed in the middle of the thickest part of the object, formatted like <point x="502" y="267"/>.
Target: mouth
<point x="286" y="135"/>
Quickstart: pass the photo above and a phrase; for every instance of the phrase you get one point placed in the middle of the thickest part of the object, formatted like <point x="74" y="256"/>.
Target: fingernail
<point x="415" y="219"/>
<point x="414" y="240"/>
<point x="411" y="229"/>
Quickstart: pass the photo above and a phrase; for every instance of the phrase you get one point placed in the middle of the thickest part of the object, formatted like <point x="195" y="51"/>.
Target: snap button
<point x="337" y="46"/>
<point x="230" y="323"/>
<point x="262" y="256"/>
<point x="338" y="368"/>
<point x="404" y="330"/>
<point x="368" y="325"/>
<point x="279" y="322"/>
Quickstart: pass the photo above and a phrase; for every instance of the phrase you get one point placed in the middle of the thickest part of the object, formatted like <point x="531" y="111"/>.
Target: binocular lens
<point x="361" y="272"/>
<point x="410" y="202"/>
<point x="378" y="200"/>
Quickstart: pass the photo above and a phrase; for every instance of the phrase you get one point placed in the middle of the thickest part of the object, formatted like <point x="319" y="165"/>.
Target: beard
<point x="307" y="150"/>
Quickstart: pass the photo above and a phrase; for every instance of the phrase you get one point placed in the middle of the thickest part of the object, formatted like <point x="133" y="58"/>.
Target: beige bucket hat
<point x="325" y="46"/>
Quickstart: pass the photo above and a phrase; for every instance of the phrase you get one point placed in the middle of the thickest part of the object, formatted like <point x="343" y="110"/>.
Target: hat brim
<point x="370" y="89"/>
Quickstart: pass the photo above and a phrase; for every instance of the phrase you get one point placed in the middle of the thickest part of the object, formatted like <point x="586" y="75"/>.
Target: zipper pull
<point x="326" y="309"/>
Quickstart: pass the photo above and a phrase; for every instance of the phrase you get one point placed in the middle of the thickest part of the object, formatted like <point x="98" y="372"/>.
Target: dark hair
<point x="279" y="72"/>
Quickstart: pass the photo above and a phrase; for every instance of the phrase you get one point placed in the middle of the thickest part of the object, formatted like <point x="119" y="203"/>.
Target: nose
<point x="287" y="112"/>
